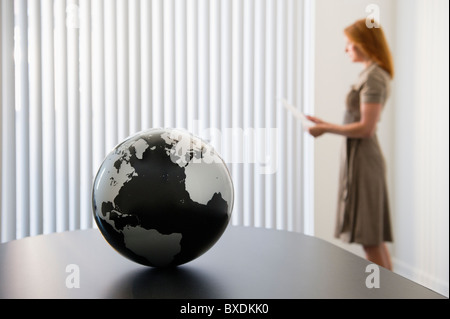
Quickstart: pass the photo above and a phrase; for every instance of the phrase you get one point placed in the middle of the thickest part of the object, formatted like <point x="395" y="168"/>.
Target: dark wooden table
<point x="246" y="263"/>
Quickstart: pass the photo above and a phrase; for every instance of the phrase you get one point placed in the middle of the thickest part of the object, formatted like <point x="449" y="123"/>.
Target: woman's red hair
<point x="372" y="43"/>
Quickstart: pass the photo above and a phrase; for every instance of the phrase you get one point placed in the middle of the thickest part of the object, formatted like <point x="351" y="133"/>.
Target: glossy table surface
<point x="246" y="263"/>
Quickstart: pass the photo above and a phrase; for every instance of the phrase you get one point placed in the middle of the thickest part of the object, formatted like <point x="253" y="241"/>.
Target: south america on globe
<point x="162" y="197"/>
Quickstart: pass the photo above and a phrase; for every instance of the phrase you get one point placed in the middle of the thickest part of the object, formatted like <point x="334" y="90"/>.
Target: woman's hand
<point x="365" y="128"/>
<point x="318" y="129"/>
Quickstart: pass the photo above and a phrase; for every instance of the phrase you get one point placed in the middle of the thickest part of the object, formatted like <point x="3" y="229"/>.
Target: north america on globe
<point x="162" y="197"/>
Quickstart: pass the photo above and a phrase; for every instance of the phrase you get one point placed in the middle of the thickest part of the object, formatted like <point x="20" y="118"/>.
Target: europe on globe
<point x="162" y="197"/>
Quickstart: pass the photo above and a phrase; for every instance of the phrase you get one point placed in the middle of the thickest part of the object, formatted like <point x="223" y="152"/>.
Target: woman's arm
<point x="365" y="128"/>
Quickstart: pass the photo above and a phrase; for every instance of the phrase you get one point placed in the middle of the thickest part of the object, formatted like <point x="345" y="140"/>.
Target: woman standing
<point x="363" y="207"/>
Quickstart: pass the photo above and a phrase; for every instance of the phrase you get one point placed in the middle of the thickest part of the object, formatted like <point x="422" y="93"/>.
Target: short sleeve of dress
<point x="376" y="88"/>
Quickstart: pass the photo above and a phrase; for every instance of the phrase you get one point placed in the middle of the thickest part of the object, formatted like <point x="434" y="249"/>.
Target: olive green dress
<point x="363" y="206"/>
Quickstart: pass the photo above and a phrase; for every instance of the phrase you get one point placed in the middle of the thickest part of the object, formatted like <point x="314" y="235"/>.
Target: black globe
<point x="162" y="197"/>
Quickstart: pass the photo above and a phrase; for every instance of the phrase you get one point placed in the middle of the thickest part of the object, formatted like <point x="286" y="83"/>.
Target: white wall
<point x="421" y="205"/>
<point x="413" y="131"/>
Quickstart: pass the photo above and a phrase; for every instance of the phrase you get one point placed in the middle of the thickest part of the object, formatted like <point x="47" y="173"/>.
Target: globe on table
<point x="162" y="197"/>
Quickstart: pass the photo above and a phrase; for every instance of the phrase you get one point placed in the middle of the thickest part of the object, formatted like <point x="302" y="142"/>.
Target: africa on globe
<point x="162" y="197"/>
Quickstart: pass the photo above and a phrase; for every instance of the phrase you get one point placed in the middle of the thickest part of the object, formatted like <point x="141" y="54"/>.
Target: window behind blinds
<point x="78" y="76"/>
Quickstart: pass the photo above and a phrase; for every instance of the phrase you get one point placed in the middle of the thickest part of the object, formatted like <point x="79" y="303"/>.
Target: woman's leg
<point x="379" y="255"/>
<point x="387" y="257"/>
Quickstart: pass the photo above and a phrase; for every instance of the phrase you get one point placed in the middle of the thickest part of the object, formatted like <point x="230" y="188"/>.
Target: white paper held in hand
<point x="297" y="114"/>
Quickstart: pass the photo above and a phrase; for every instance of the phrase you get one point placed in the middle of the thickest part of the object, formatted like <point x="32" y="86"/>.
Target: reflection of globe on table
<point x="162" y="197"/>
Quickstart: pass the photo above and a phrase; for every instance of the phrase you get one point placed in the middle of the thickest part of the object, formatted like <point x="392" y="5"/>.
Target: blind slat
<point x="111" y="81"/>
<point x="123" y="74"/>
<point x="22" y="113"/>
<point x="35" y="76"/>
<point x="180" y="64"/>
<point x="146" y="64"/>
<point x="61" y="117"/>
<point x="158" y="62"/>
<point x="259" y="115"/>
<point x="248" y="111"/>
<point x="281" y="198"/>
<point x="271" y="103"/>
<point x="135" y="65"/>
<point x="237" y="109"/>
<point x="99" y="108"/>
<point x="169" y="62"/>
<point x="8" y="213"/>
<point x="86" y="166"/>
<point x="192" y="65"/>
<point x="48" y="116"/>
<point x="74" y="113"/>
<point x="203" y="65"/>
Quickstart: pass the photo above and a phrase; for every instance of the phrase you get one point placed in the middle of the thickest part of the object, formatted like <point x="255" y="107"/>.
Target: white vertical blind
<point x="36" y="133"/>
<point x="1" y="111"/>
<point x="9" y="207"/>
<point x="86" y="128"/>
<point x="79" y="76"/>
<point x="22" y="113"/>
<point x="48" y="118"/>
<point x="73" y="100"/>
<point x="61" y="118"/>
